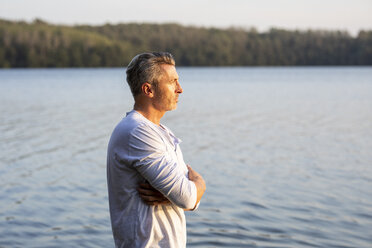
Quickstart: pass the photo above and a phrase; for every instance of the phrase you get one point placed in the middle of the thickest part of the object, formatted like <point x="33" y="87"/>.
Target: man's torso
<point x="134" y="223"/>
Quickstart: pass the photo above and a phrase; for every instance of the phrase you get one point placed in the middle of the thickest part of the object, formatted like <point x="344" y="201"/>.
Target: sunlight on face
<point x="168" y="89"/>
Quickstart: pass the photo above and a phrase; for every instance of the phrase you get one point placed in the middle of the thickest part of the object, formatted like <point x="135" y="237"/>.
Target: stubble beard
<point x="166" y="104"/>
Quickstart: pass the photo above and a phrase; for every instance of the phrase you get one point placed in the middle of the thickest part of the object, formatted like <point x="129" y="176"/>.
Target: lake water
<point x="286" y="154"/>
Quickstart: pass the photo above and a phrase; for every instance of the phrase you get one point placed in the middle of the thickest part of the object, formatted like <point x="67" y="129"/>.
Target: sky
<point x="345" y="15"/>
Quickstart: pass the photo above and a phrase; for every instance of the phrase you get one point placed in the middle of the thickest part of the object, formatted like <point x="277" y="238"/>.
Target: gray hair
<point x="145" y="67"/>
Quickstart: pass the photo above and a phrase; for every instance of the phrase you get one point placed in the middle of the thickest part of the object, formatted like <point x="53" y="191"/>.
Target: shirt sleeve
<point x="150" y="157"/>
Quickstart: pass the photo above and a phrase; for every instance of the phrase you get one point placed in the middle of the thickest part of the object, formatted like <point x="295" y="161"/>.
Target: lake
<point x="286" y="153"/>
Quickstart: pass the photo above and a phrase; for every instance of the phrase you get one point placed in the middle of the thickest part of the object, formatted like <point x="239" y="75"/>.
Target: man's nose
<point x="179" y="88"/>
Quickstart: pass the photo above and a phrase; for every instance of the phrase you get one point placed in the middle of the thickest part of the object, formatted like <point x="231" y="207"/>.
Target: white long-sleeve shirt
<point x="140" y="151"/>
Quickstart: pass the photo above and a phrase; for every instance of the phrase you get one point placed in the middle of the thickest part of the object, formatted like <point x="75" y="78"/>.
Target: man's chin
<point x="174" y="107"/>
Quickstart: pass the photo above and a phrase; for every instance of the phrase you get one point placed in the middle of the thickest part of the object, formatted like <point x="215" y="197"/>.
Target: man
<point x="149" y="184"/>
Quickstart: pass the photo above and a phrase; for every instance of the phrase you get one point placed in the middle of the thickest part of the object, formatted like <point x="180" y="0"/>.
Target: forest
<point x="40" y="44"/>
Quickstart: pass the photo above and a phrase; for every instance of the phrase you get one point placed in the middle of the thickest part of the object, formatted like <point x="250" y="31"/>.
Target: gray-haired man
<point x="149" y="184"/>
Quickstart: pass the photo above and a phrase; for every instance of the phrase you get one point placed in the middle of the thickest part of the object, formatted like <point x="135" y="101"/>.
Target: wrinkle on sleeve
<point x="151" y="159"/>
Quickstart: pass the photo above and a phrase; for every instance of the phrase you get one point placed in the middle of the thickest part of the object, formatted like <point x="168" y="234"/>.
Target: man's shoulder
<point x="131" y="124"/>
<point x="135" y="125"/>
<point x="136" y="133"/>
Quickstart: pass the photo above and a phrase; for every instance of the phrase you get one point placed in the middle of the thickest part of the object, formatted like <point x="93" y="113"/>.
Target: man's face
<point x="167" y="90"/>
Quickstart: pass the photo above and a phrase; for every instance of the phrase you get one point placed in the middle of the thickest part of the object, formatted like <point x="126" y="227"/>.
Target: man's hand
<point x="199" y="183"/>
<point x="151" y="196"/>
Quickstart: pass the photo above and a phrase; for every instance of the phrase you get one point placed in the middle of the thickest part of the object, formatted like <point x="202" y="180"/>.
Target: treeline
<point x="39" y="44"/>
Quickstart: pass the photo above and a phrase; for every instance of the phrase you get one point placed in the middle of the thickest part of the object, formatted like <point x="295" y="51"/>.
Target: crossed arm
<point x="151" y="196"/>
<point x="151" y="159"/>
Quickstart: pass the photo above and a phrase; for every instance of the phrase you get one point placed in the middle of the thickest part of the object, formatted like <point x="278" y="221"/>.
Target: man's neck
<point x="149" y="113"/>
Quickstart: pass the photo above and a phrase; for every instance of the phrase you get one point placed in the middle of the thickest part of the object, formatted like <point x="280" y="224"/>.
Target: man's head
<point x="153" y="80"/>
<point x="146" y="68"/>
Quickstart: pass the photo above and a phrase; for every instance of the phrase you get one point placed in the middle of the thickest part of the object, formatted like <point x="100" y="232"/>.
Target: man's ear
<point x="147" y="89"/>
